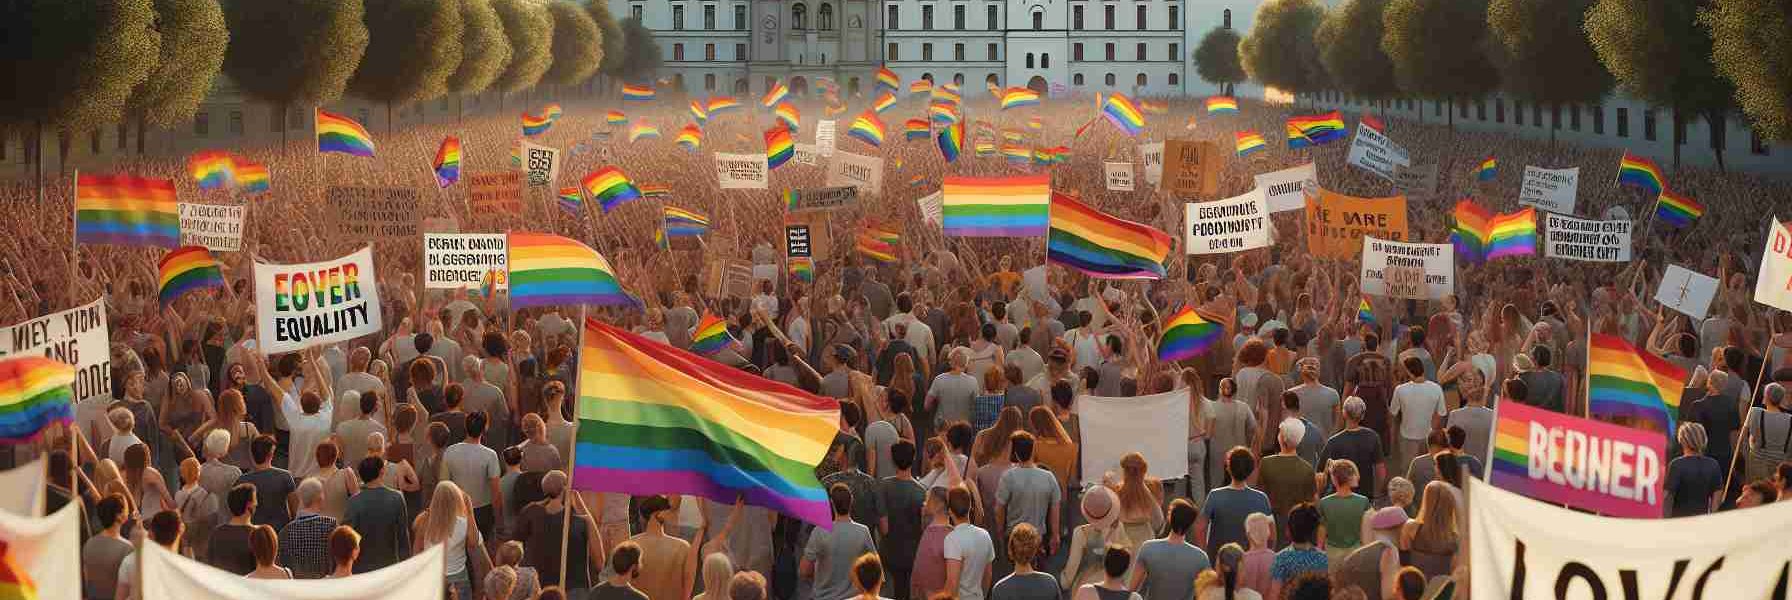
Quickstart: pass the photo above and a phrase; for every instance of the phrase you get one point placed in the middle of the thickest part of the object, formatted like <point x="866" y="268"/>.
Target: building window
<point x="927" y="18"/>
<point x="677" y="18"/>
<point x="1756" y="145"/>
<point x="709" y="52"/>
<point x="740" y="17"/>
<point x="1108" y="13"/>
<point x="295" y="120"/>
<point x="1076" y="79"/>
<point x="1038" y="19"/>
<point x="1141" y="81"/>
<point x="1461" y="109"/>
<point x="799" y="16"/>
<point x="740" y="86"/>
<point x="991" y="19"/>
<point x="1574" y="117"/>
<point x="826" y="16"/>
<point x="992" y="52"/>
<point x="709" y="82"/>
<point x="1139" y="52"/>
<point x="1045" y="61"/>
<point x="1480" y="109"/>
<point x="1174" y="80"/>
<point x="1499" y="110"/>
<point x="1076" y="52"/>
<point x="1517" y="112"/>
<point x="637" y="11"/>
<point x="1076" y="17"/>
<point x="891" y="54"/>
<point x="1598" y="119"/>
<point x="1141" y="18"/>
<point x="958" y="52"/>
<point x="202" y="124"/>
<point x="1226" y="19"/>
<point x="1175" y="17"/>
<point x="1175" y="52"/>
<point x="1536" y="114"/>
<point x="1649" y="124"/>
<point x="958" y="17"/>
<point x="1029" y="60"/>
<point x="236" y="121"/>
<point x="1623" y="122"/>
<point x="892" y="22"/>
<point x="958" y="79"/>
<point x="927" y="51"/>
<point x="1108" y="80"/>
<point x="709" y="17"/>
<point x="678" y="52"/>
<point x="1109" y="51"/>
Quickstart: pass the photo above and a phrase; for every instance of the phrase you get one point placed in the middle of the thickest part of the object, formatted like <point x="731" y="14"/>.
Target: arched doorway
<point x="993" y="81"/>
<point x="799" y="85"/>
<point x="741" y="86"/>
<point x="928" y="77"/>
<point x="958" y="80"/>
<point x="1037" y="84"/>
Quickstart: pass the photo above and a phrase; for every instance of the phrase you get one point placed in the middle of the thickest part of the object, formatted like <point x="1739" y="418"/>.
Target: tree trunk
<point x="141" y="130"/>
<point x="1450" y="115"/>
<point x="62" y="142"/>
<point x="1719" y="136"/>
<point x="1677" y="120"/>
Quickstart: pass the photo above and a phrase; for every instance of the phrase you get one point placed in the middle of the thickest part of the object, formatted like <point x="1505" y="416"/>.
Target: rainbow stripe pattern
<point x="877" y="244"/>
<point x="916" y="129"/>
<point x="642" y="131"/>
<point x="788" y="115"/>
<point x="951" y="142"/>
<point x="1051" y="156"/>
<point x="888" y="79"/>
<point x="985" y="147"/>
<point x="615" y="117"/>
<point x="610" y="187"/>
<point x="571" y="200"/>
<point x="1014" y="206"/>
<point x="684" y="223"/>
<point x="212" y="169"/>
<point x="251" y="177"/>
<point x="711" y="335"/>
<point x="447" y="162"/>
<point x="867" y="128"/>
<point x="719" y="104"/>
<point x="126" y="210"/>
<point x="920" y="86"/>
<point x="1677" y="210"/>
<point x="1035" y="123"/>
<point x="1636" y="171"/>
<point x="1187" y="335"/>
<point x="690" y="137"/>
<point x="1103" y="246"/>
<point x="1312" y="130"/>
<point x="549" y="270"/>
<point x="884" y="102"/>
<point x="1249" y="142"/>
<point x="1019" y="97"/>
<point x="773" y="97"/>
<point x="1123" y="114"/>
<point x="1488" y="169"/>
<point x="1016" y="153"/>
<point x="802" y="268"/>
<point x="944" y="114"/>
<point x="337" y="133"/>
<point x="699" y="111"/>
<point x="34" y="394"/>
<point x="654" y="190"/>
<point x="778" y="147"/>
<point x="1221" y="105"/>
<point x="1623" y="381"/>
<point x="534" y="125"/>
<point x="1512" y="234"/>
<point x="186" y="269"/>
<point x="632" y="92"/>
<point x="1365" y="312"/>
<point x="1472" y="230"/>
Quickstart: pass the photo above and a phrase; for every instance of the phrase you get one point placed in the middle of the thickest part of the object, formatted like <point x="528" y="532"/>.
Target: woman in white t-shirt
<point x="445" y="522"/>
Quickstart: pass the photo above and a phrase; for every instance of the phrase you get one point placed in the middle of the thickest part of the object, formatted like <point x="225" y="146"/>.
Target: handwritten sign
<point x="1417" y="183"/>
<point x="1773" y="287"/>
<point x="1118" y="175"/>
<point x="77" y="336"/>
<point x="541" y="164"/>
<point x="741" y="171"/>
<point x="807" y="154"/>
<point x="1191" y="167"/>
<point x="1686" y="291"/>
<point x="1285" y="190"/>
<point x="495" y="192"/>
<point x="824" y="137"/>
<point x="1551" y="190"/>
<point x="217" y="227"/>
<point x="1388" y="269"/>
<point x="1337" y="224"/>
<point x="373" y="213"/>
<point x="863" y="172"/>
<point x="933" y="208"/>
<point x="455" y="260"/>
<point x="1372" y="151"/>
<point x="1232" y="225"/>
<point x="1585" y="239"/>
<point x="1153" y="156"/>
<point x="826" y="198"/>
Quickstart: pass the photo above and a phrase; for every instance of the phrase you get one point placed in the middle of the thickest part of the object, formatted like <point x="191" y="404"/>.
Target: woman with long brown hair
<point x="1141" y="510"/>
<point x="231" y="418"/>
<point x="145" y="482"/>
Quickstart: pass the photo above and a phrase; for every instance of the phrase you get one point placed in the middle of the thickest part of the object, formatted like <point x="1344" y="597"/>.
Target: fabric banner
<point x="1528" y="550"/>
<point x="170" y="576"/>
<point x="1153" y="156"/>
<point x="1585" y="239"/>
<point x="824" y="137"/>
<point x="741" y="171"/>
<point x="26" y="485"/>
<point x="1372" y="151"/>
<point x="1385" y="269"/>
<point x="1113" y="427"/>
<point x="456" y="260"/>
<point x="807" y="154"/>
<point x="1232" y="225"/>
<point x="78" y="336"/>
<point x="1192" y="167"/>
<point x="1773" y="287"/>
<point x="1118" y="176"/>
<point x="1586" y="464"/>
<point x="1551" y="190"/>
<point x="823" y="199"/>
<point x="217" y="227"/>
<point x="1337" y="224"/>
<point x="1686" y="291"/>
<point x="302" y="305"/>
<point x="933" y="208"/>
<point x="863" y="172"/>
<point x="49" y="550"/>
<point x="1285" y="190"/>
<point x="541" y="165"/>
<point x="373" y="213"/>
<point x="1417" y="183"/>
<point x="495" y="192"/>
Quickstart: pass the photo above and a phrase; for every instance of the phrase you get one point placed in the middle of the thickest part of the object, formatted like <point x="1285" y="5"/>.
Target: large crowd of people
<point x="1326" y="453"/>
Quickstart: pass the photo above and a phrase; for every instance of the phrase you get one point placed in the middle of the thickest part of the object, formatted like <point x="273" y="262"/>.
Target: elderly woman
<point x="1695" y="481"/>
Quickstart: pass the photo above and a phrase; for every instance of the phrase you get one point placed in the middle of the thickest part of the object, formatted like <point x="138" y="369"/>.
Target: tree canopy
<point x="1542" y="52"/>
<point x="72" y="64"/>
<point x="194" y="39"/>
<point x="641" y="53"/>
<point x="294" y="51"/>
<point x="1280" y="51"/>
<point x="1216" y="59"/>
<point x="484" y="49"/>
<point x="1438" y="47"/>
<point x="415" y="47"/>
<point x="577" y="45"/>
<point x="1350" y="49"/>
<point x="1752" y="47"/>
<point x="531" y="34"/>
<point x="612" y="36"/>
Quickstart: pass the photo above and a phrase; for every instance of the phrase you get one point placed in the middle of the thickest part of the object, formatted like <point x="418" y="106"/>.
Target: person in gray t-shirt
<point x="1024" y="548"/>
<point x="952" y="392"/>
<point x="1318" y="403"/>
<point x="1163" y="567"/>
<point x="1027" y="493"/>
<point x="828" y="557"/>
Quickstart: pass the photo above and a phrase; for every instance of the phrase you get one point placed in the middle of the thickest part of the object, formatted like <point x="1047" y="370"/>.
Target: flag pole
<point x="1650" y="227"/>
<point x="567" y="494"/>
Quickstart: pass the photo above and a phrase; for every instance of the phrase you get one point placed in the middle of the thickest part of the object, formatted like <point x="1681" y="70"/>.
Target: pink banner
<point x="1591" y="465"/>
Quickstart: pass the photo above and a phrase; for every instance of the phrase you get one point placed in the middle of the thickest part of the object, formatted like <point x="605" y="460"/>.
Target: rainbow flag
<point x="787" y="113"/>
<point x="536" y="125"/>
<point x="1249" y="142"/>
<point x="1219" y="105"/>
<point x="916" y="129"/>
<point x="920" y="86"/>
<point x="1636" y="171"/>
<point x="657" y="420"/>
<point x="251" y="177"/>
<point x="654" y="190"/>
<point x="683" y="223"/>
<point x="637" y="92"/>
<point x="946" y="94"/>
<point x="867" y="128"/>
<point x="951" y="142"/>
<point x="778" y="147"/>
<point x="699" y="112"/>
<point x="1187" y="335"/>
<point x="447" y="163"/>
<point x="126" y="210"/>
<point x="1035" y="123"/>
<point x="15" y="582"/>
<point x="571" y="200"/>
<point x="548" y="270"/>
<point x="722" y="103"/>
<point x="888" y="79"/>
<point x="775" y="96"/>
<point x="610" y="187"/>
<point x="186" y="269"/>
<point x="691" y="137"/>
<point x="1312" y="130"/>
<point x="1013" y="206"/>
<point x="1123" y="114"/>
<point x="943" y="114"/>
<point x="1016" y="153"/>
<point x="552" y="110"/>
<point x="1051" y="156"/>
<point x="212" y="169"/>
<point x="615" y="117"/>
<point x="985" y="147"/>
<point x="711" y="335"/>
<point x="1623" y="381"/>
<point x="1103" y="246"/>
<point x="1365" y="313"/>
<point x="1472" y="230"/>
<point x="1512" y="234"/>
<point x="878" y="244"/>
<point x="1017" y="97"/>
<point x="802" y="268"/>
<point x="1677" y="210"/>
<point x="337" y="133"/>
<point x="1154" y="107"/>
<point x="34" y="394"/>
<point x="884" y="101"/>
<point x="642" y="131"/>
<point x="1488" y="169"/>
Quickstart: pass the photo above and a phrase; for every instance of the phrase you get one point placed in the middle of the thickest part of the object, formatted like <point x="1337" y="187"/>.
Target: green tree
<point x="415" y="46"/>
<point x="641" y="52"/>
<point x="612" y="36"/>
<point x="577" y="46"/>
<point x="1541" y="50"/>
<point x="484" y="49"/>
<point x="71" y="65"/>
<point x="1752" y="46"/>
<point x="1280" y="52"/>
<point x="1437" y="49"/>
<point x="1350" y="49"/>
<point x="531" y="34"/>
<point x="194" y="39"/>
<point x="1659" y="53"/>
<point x="1216" y="59"/>
<point x="294" y="52"/>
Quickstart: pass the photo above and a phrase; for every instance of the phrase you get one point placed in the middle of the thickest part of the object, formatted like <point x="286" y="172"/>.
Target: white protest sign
<point x="1617" y="212"/>
<point x="1283" y="189"/>
<point x="541" y="164"/>
<point x="1437" y="261"/>
<point x="302" y="305"/>
<point x="806" y="154"/>
<point x="217" y="227"/>
<point x="1551" y="190"/>
<point x="1118" y="175"/>
<point x="933" y="207"/>
<point x="77" y="336"/>
<point x="1231" y="225"/>
<point x="1773" y="287"/>
<point x="455" y="260"/>
<point x="1114" y="427"/>
<point x="741" y="171"/>
<point x="1585" y="239"/>
<point x="1372" y="151"/>
<point x="1686" y="291"/>
<point x="824" y="137"/>
<point x="863" y="172"/>
<point x="1416" y="183"/>
<point x="1153" y="157"/>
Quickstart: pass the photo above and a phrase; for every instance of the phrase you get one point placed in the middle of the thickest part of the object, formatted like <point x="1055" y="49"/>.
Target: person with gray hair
<point x="1286" y="477"/>
<point x="1769" y="433"/>
<point x="354" y="431"/>
<point x="1359" y="445"/>
<point x="217" y="476"/>
<point x="305" y="540"/>
<point x="1695" y="481"/>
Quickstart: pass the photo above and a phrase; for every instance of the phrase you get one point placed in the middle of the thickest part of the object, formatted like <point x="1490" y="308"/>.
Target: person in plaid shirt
<point x="304" y="542"/>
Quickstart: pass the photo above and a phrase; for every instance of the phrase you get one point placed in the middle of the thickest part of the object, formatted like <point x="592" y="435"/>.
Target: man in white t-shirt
<point x="919" y="334"/>
<point x="970" y="555"/>
<point x="1418" y="406"/>
<point x="475" y="468"/>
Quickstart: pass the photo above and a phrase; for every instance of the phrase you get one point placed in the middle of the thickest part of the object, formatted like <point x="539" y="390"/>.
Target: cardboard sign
<point x="1192" y="167"/>
<point x="816" y="224"/>
<point x="1118" y="176"/>
<point x="1153" y="156"/>
<point x="1551" y="190"/>
<point x="302" y="305"/>
<point x="373" y="213"/>
<point x="1405" y="283"/>
<point x="741" y="171"/>
<point x="455" y="260"/>
<point x="77" y="336"/>
<point x="1232" y="225"/>
<point x="1337" y="224"/>
<point x="827" y="198"/>
<point x="807" y="154"/>
<point x="1585" y="239"/>
<point x="1417" y="183"/>
<point x="824" y="137"/>
<point x="1587" y="464"/>
<point x="737" y="279"/>
<point x="1435" y="265"/>
<point x="1773" y="287"/>
<point x="1686" y="291"/>
<point x="1285" y="189"/>
<point x="495" y="192"/>
<point x="1372" y="151"/>
<point x="863" y="172"/>
<point x="933" y="208"/>
<point x="541" y="164"/>
<point x="217" y="227"/>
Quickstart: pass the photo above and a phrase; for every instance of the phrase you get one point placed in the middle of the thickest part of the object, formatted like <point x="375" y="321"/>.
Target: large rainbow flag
<point x="1187" y="335"/>
<point x="1623" y="381"/>
<point x="657" y="420"/>
<point x="549" y="270"/>
<point x="1472" y="229"/>
<point x="1104" y="246"/>
<point x="1014" y="206"/>
<point x="779" y="147"/>
<point x="337" y="133"/>
<point x="186" y="269"/>
<point x="1313" y="130"/>
<point x="126" y="210"/>
<point x="1512" y="234"/>
<point x="34" y="394"/>
<point x="1639" y="172"/>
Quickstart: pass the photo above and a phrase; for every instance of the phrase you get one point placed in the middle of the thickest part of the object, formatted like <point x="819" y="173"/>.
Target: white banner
<point x="806" y="154"/>
<point x="1551" y="190"/>
<point x="49" y="550"/>
<point x="933" y="208"/>
<point x="1153" y="157"/>
<point x="1585" y="239"/>
<point x="77" y="336"/>
<point x="741" y="171"/>
<point x="541" y="164"/>
<point x="1118" y="175"/>
<point x="1525" y="549"/>
<point x="824" y="137"/>
<point x="303" y="305"/>
<point x="863" y="172"/>
<point x="1686" y="291"/>
<point x="1372" y="151"/>
<point x="1284" y="188"/>
<point x="456" y="260"/>
<point x="26" y="483"/>
<point x="217" y="227"/>
<point x="1113" y="427"/>
<point x="1773" y="287"/>
<point x="1435" y="263"/>
<point x="1231" y="225"/>
<point x="170" y="576"/>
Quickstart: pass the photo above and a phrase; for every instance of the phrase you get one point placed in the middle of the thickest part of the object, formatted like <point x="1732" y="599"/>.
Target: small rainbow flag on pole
<point x="615" y="117"/>
<point x="35" y="393"/>
<point x="888" y="79"/>
<point x="1488" y="169"/>
<point x="447" y="163"/>
<point x="1103" y="246"/>
<point x="1249" y="142"/>
<point x="690" y="137"/>
<point x="534" y="125"/>
<point x="1187" y="335"/>
<point x="867" y="128"/>
<point x="788" y="115"/>
<point x="337" y="133"/>
<point x="802" y="268"/>
<point x="1472" y="230"/>
<point x="1219" y="105"/>
<point x="1512" y="234"/>
<point x="699" y="111"/>
<point x="1014" y="206"/>
<point x="711" y="336"/>
<point x="951" y="142"/>
<point x="1123" y="114"/>
<point x="1623" y="381"/>
<point x="719" y="104"/>
<point x="778" y="147"/>
<point x="642" y="131"/>
<point x="610" y="187"/>
<point x="920" y="86"/>
<point x="1312" y="130"/>
<point x="1677" y="210"/>
<point x="684" y="223"/>
<point x="186" y="269"/>
<point x="251" y="177"/>
<point x="885" y="100"/>
<point x="1365" y="312"/>
<point x="632" y="92"/>
<point x="775" y="96"/>
<point x="571" y="200"/>
<point x="1018" y="97"/>
<point x="916" y="129"/>
<point x="126" y="210"/>
<point x="1639" y="172"/>
<point x="212" y="169"/>
<point x="549" y="270"/>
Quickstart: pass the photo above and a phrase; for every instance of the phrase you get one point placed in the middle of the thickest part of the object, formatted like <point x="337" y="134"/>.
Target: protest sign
<point x="1284" y="189"/>
<point x="1232" y="225"/>
<point x="1686" y="291"/>
<point x="44" y="553"/>
<point x="1372" y="151"/>
<point x="77" y="336"/>
<point x="863" y="172"/>
<point x="217" y="227"/>
<point x="1118" y="175"/>
<point x="455" y="260"/>
<point x="737" y="279"/>
<point x="495" y="192"/>
<point x="541" y="165"/>
<point x="1522" y="549"/>
<point x="1551" y="190"/>
<point x="1337" y="224"/>
<point x="1585" y="239"/>
<point x="933" y="208"/>
<point x="816" y="224"/>
<point x="1192" y="167"/>
<point x="824" y="137"/>
<point x="1153" y="156"/>
<point x="166" y="575"/>
<point x="826" y="198"/>
<point x="806" y="154"/>
<point x="1417" y="183"/>
<point x="1583" y="463"/>
<point x="373" y="213"/>
<point x="741" y="171"/>
<point x="797" y="241"/>
<point x="1387" y="265"/>
<point x="1773" y="287"/>
<point x="1114" y="427"/>
<point x="302" y="305"/>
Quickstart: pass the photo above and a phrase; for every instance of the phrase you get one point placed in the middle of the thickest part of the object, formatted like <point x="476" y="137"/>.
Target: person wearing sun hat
<point x="1377" y="563"/>
<point x="1089" y="542"/>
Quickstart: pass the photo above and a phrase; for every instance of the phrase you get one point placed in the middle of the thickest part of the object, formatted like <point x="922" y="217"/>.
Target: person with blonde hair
<point x="1141" y="510"/>
<point x="1025" y="583"/>
<point x="123" y="437"/>
<point x="1228" y="582"/>
<point x="500" y="583"/>
<point x="527" y="580"/>
<point x="1694" y="483"/>
<point x="1253" y="572"/>
<point x="1342" y="513"/>
<point x="1432" y="539"/>
<point x="717" y="570"/>
<point x="449" y="521"/>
